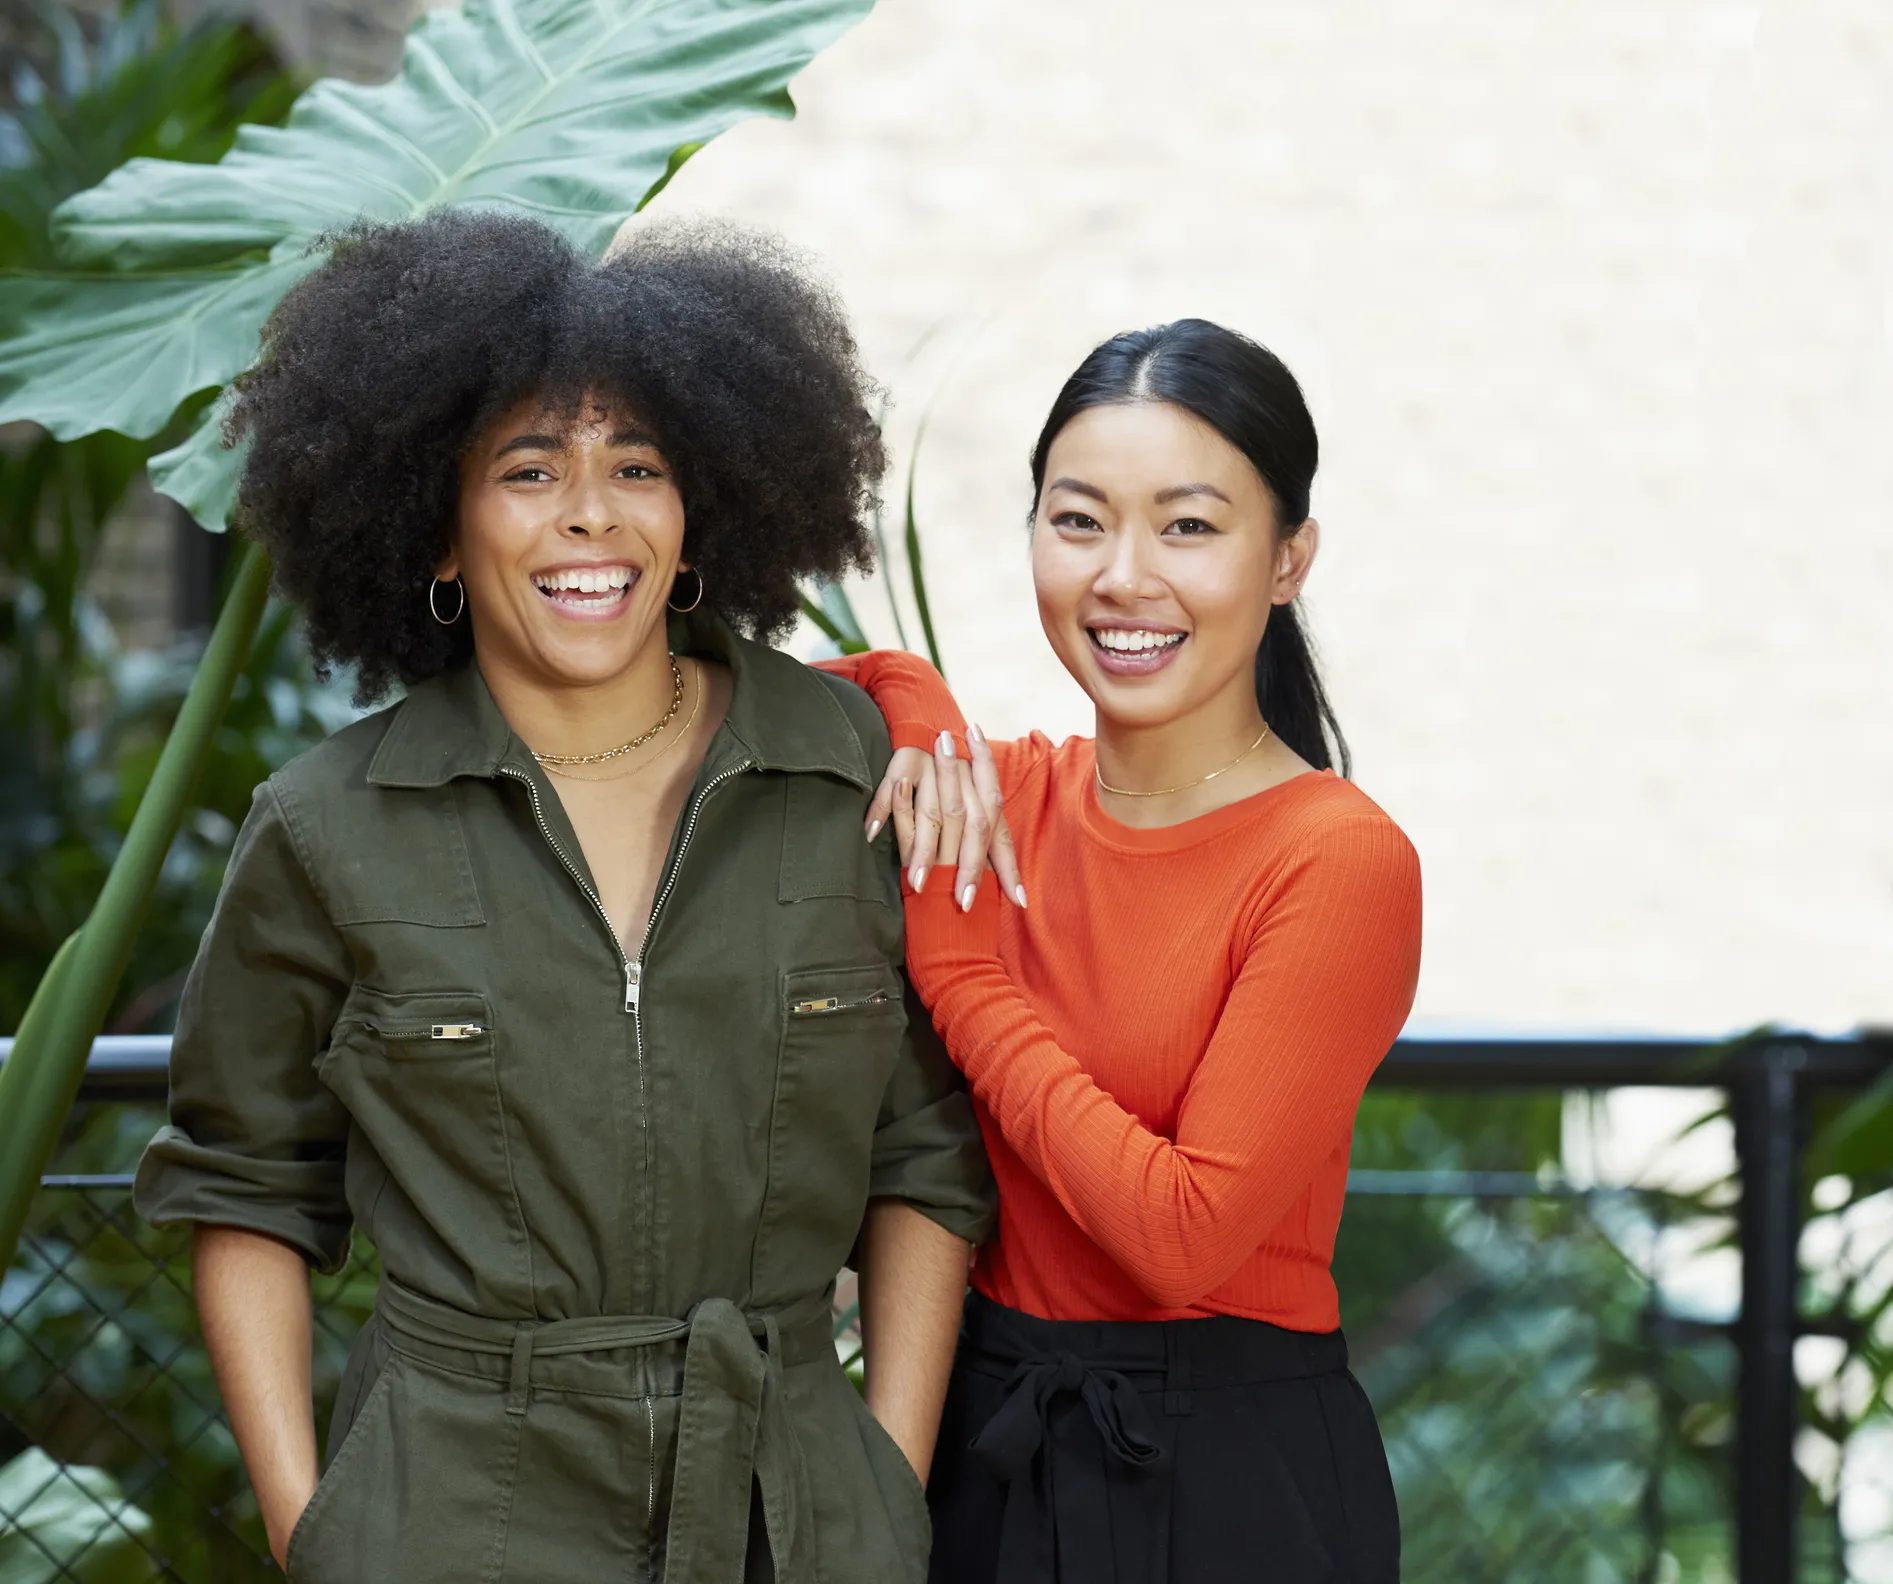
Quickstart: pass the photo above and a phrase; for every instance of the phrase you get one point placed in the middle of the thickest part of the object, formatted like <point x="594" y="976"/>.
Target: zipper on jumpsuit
<point x="633" y="994"/>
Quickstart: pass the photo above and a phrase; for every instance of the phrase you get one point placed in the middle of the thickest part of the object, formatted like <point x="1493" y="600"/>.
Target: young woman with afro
<point x="568" y="978"/>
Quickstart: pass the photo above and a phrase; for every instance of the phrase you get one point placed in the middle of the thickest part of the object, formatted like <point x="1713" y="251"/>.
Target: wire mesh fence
<point x="116" y="1461"/>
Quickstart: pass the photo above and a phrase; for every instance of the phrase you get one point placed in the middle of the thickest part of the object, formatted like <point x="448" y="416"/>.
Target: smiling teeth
<point x="602" y="581"/>
<point x="1121" y="642"/>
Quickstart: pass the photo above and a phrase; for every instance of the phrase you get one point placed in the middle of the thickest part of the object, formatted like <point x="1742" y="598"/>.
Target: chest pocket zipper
<point x="824" y="1004"/>
<point x="433" y="1031"/>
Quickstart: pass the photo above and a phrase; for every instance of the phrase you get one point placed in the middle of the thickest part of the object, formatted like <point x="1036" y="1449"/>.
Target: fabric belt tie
<point x="1059" y="1493"/>
<point x="733" y="1420"/>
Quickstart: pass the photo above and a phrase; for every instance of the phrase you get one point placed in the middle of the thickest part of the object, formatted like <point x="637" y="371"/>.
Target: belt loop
<point x="1176" y="1368"/>
<point x="519" y="1378"/>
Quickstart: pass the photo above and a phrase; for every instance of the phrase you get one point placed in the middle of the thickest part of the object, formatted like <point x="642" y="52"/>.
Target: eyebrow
<point x="546" y="442"/>
<point x="1179" y="491"/>
<point x="1162" y="497"/>
<point x="530" y="442"/>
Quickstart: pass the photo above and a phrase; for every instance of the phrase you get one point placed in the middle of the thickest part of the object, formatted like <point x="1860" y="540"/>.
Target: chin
<point x="587" y="665"/>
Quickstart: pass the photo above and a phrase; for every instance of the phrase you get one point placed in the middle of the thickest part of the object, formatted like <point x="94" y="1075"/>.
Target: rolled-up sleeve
<point x="255" y="1140"/>
<point x="927" y="1148"/>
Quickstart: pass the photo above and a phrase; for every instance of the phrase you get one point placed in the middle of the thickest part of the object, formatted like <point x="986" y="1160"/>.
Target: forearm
<point x="913" y="1285"/>
<point x="253" y="1301"/>
<point x="910" y="694"/>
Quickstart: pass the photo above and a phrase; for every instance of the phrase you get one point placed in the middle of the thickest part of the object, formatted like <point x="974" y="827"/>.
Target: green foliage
<point x="80" y="721"/>
<point x="574" y="110"/>
<point x="141" y="89"/>
<point x="67" y="1521"/>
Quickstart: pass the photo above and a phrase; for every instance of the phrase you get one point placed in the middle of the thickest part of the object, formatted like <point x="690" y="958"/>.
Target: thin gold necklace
<point x="676" y="702"/>
<point x="1105" y="786"/>
<point x="643" y="764"/>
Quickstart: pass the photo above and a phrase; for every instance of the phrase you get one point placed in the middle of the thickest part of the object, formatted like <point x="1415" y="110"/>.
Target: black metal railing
<point x="1547" y="1415"/>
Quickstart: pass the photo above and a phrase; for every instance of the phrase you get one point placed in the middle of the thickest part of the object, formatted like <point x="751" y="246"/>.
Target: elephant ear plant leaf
<point x="575" y="111"/>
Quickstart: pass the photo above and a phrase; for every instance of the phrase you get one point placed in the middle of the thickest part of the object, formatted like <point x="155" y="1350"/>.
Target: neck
<point x="565" y="718"/>
<point x="1140" y="757"/>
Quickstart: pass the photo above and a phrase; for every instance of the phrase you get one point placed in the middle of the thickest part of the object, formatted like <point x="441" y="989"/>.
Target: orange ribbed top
<point x="1167" y="1050"/>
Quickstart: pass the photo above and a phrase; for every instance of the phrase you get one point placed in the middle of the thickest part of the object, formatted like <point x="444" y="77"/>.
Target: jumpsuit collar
<point x="783" y="714"/>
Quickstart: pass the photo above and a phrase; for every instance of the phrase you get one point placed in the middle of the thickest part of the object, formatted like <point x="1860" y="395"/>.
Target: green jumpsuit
<point x="611" y="1184"/>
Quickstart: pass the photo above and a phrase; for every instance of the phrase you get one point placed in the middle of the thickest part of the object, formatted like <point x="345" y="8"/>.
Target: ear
<point x="1293" y="557"/>
<point x="449" y="568"/>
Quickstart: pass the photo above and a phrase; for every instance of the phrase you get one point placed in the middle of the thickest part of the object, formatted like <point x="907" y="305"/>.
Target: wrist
<point x="283" y="1513"/>
<point x="922" y="736"/>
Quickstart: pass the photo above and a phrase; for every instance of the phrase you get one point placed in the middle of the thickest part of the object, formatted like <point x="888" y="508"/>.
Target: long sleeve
<point x="255" y="1140"/>
<point x="1330" y="956"/>
<point x="917" y="705"/>
<point x="912" y="697"/>
<point x="927" y="1148"/>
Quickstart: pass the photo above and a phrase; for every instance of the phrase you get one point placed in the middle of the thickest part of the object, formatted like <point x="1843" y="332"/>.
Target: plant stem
<point x="41" y="1078"/>
<point x="914" y="568"/>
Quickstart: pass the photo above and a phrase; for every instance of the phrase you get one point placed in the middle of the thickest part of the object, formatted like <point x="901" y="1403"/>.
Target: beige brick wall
<point x="1592" y="300"/>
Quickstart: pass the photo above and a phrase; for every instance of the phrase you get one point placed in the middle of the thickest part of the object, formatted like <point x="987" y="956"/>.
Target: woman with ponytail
<point x="1166" y="1049"/>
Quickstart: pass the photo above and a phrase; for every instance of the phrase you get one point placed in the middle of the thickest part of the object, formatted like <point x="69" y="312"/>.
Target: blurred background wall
<point x="1591" y="298"/>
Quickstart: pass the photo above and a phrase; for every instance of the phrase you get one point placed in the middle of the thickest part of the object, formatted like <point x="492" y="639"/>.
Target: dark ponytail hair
<point x="1246" y="394"/>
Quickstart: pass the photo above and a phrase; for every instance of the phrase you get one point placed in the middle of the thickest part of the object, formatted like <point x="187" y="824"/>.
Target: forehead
<point x="587" y="420"/>
<point x="1142" y="448"/>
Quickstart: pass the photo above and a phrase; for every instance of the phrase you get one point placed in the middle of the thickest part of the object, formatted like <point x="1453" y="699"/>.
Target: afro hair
<point x="381" y="369"/>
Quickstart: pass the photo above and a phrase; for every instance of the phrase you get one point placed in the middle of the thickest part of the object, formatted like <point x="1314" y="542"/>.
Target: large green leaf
<point x="89" y="352"/>
<point x="569" y="109"/>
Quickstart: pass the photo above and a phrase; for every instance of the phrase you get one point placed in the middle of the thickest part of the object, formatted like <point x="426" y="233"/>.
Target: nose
<point x="587" y="509"/>
<point x="1127" y="573"/>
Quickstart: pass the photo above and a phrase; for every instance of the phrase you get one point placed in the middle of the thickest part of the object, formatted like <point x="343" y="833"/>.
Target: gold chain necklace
<point x="1105" y="786"/>
<point x="696" y="704"/>
<point x="676" y="703"/>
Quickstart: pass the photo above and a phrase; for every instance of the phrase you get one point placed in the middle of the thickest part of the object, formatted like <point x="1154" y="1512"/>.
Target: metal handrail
<point x="134" y="1066"/>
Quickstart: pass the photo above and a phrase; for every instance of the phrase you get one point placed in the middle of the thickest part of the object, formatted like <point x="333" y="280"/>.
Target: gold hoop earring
<point x="684" y="610"/>
<point x="433" y="589"/>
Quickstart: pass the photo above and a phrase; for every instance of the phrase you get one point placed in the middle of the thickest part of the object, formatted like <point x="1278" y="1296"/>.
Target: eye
<point x="1191" y="528"/>
<point x="531" y="473"/>
<point x="1075" y="522"/>
<point x="638" y="470"/>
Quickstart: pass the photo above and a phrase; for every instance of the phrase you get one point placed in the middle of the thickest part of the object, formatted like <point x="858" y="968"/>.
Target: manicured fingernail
<point x="1018" y="895"/>
<point x="966" y="899"/>
<point x="945" y="744"/>
<point x="917" y="878"/>
<point x="874" y="829"/>
<point x="902" y="787"/>
<point x="974" y="734"/>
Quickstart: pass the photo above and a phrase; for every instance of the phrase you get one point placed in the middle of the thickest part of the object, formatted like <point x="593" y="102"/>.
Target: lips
<point x="1134" y="651"/>
<point x="589" y="592"/>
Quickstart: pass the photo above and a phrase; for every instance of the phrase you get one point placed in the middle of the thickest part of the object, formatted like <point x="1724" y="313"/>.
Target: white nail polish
<point x="1018" y="895"/>
<point x="874" y="829"/>
<point x="917" y="879"/>
<point x="945" y="744"/>
<point x="966" y="899"/>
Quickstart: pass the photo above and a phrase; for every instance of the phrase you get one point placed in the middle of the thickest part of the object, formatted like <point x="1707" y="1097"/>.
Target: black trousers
<point x="1173" y="1452"/>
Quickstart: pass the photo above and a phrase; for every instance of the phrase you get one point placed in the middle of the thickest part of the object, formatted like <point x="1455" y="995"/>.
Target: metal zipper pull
<point x="836" y="1004"/>
<point x="633" y="984"/>
<point x="457" y="1031"/>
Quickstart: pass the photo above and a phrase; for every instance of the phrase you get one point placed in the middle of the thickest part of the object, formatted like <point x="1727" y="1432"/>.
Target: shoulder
<point x="869" y="727"/>
<point x="337" y="764"/>
<point x="1329" y="831"/>
<point x="1036" y="755"/>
